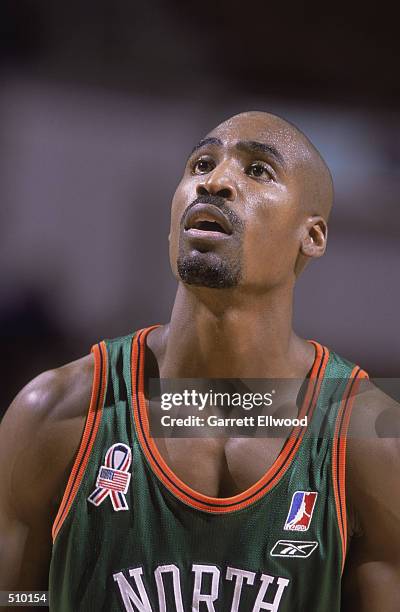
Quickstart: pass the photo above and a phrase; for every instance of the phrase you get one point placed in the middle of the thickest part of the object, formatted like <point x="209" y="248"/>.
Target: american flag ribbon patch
<point x="113" y="477"/>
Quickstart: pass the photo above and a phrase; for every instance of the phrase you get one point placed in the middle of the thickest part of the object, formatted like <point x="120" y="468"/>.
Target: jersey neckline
<point x="179" y="488"/>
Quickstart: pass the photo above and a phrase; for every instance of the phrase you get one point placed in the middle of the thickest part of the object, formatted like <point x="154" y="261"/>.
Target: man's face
<point x="237" y="218"/>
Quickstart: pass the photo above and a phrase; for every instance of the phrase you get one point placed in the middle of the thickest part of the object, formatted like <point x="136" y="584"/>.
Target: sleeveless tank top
<point x="131" y="536"/>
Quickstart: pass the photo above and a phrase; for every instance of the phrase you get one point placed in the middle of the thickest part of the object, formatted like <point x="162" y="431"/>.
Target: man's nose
<point x="218" y="182"/>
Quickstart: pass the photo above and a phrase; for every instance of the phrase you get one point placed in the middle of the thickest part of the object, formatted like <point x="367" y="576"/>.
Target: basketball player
<point x="114" y="520"/>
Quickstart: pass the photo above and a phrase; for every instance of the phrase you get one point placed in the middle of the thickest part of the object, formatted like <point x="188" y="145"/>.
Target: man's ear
<point x="315" y="237"/>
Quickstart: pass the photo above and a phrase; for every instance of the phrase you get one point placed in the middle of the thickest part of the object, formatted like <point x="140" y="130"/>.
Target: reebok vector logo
<point x="293" y="548"/>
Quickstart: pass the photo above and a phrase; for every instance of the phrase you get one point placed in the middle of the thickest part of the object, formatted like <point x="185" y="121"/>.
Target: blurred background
<point x="100" y="103"/>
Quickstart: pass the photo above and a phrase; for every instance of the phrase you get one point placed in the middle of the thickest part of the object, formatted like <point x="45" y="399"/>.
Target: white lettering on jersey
<point x="273" y="606"/>
<point x="163" y="569"/>
<point x="239" y="575"/>
<point x="135" y="597"/>
<point x="128" y="594"/>
<point x="198" y="596"/>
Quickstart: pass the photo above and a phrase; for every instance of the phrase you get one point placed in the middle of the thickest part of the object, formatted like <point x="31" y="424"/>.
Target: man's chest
<point x="220" y="467"/>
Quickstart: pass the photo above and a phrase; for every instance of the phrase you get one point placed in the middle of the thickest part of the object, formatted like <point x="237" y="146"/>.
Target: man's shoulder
<point x="375" y="414"/>
<point x="57" y="394"/>
<point x="40" y="434"/>
<point x="373" y="455"/>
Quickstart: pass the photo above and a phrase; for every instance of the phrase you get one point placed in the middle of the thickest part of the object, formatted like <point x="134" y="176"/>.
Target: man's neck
<point x="228" y="334"/>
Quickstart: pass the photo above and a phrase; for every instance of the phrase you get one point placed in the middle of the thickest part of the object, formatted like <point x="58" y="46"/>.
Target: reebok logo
<point x="293" y="548"/>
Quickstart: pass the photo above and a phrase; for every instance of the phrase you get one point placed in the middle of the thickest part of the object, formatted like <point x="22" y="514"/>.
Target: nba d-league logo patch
<point x="301" y="511"/>
<point x="113" y="478"/>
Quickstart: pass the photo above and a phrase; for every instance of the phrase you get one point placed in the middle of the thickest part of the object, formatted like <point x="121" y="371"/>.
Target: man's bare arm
<point x="39" y="437"/>
<point x="372" y="571"/>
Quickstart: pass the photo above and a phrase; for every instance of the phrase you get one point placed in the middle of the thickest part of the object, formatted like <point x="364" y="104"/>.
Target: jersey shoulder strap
<point x="342" y="383"/>
<point x="110" y="393"/>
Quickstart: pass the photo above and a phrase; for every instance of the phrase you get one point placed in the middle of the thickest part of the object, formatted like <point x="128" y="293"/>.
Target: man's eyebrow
<point x="206" y="141"/>
<point x="260" y="147"/>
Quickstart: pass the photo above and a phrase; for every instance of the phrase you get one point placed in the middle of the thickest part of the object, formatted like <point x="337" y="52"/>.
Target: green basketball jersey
<point x="131" y="536"/>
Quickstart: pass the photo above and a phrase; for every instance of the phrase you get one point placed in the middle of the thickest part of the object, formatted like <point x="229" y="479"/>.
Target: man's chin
<point x="207" y="270"/>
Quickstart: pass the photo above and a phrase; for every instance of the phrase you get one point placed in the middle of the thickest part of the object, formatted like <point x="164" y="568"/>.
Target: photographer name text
<point x="224" y="422"/>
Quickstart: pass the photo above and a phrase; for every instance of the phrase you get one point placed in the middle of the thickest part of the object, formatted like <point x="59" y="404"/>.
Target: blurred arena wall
<point x="99" y="108"/>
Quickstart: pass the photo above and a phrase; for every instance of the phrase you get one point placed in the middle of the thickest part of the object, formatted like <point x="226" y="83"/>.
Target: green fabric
<point x="96" y="543"/>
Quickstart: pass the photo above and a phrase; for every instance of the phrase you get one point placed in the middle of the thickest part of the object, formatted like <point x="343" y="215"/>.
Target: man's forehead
<point x="255" y="126"/>
<point x="264" y="128"/>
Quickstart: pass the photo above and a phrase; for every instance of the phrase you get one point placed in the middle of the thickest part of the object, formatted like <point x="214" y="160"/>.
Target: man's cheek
<point x="261" y="256"/>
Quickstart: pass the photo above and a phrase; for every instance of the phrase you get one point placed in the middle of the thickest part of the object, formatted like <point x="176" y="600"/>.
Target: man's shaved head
<point x="263" y="179"/>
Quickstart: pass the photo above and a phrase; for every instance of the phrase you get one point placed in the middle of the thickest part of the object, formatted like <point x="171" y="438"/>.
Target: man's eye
<point x="259" y="170"/>
<point x="202" y="166"/>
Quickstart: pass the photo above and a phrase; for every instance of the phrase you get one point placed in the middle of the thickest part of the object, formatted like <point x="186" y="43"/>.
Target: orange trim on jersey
<point x="171" y="480"/>
<point x="93" y="419"/>
<point x="339" y="453"/>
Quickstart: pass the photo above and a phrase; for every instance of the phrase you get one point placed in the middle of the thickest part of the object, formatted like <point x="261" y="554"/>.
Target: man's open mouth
<point x="208" y="220"/>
